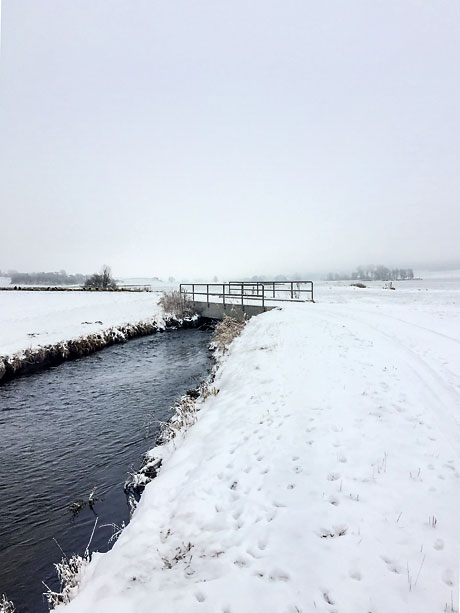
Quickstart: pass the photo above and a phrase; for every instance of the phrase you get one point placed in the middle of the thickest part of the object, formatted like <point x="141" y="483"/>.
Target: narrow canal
<point x="80" y="426"/>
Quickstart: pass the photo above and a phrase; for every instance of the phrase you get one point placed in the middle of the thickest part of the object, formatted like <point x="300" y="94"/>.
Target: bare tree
<point x="102" y="280"/>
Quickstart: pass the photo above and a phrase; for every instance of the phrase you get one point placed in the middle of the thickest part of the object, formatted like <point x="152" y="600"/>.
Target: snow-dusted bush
<point x="177" y="304"/>
<point x="6" y="606"/>
<point x="68" y="570"/>
<point x="69" y="573"/>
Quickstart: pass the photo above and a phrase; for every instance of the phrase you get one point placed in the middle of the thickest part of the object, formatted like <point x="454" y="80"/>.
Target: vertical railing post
<point x="242" y="298"/>
<point x="263" y="297"/>
<point x="292" y="290"/>
<point x="223" y="294"/>
<point x="273" y="289"/>
<point x="193" y="292"/>
<point x="207" y="294"/>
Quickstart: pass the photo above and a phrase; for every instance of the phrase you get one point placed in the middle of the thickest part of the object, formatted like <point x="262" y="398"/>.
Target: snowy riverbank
<point x="40" y="329"/>
<point x="324" y="476"/>
<point x="32" y="319"/>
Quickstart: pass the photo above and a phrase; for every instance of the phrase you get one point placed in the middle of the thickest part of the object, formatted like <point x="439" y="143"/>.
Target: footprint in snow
<point x="448" y="577"/>
<point x="262" y="544"/>
<point x="336" y="531"/>
<point x="278" y="575"/>
<point x="356" y="575"/>
<point x="438" y="544"/>
<point x="240" y="562"/>
<point x="392" y="566"/>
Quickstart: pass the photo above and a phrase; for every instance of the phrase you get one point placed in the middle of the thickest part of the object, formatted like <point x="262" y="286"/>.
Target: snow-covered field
<point x="31" y="319"/>
<point x="324" y="476"/>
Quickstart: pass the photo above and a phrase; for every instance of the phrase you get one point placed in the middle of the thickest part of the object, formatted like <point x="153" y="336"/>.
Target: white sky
<point x="229" y="137"/>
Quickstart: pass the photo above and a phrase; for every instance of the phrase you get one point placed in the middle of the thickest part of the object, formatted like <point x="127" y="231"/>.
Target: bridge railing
<point x="249" y="292"/>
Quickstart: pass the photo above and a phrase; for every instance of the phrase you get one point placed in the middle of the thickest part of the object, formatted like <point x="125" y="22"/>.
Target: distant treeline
<point x="46" y="278"/>
<point x="373" y="273"/>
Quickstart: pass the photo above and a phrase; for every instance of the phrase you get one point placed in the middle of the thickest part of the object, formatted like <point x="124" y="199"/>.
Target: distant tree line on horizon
<point x="45" y="278"/>
<point x="373" y="273"/>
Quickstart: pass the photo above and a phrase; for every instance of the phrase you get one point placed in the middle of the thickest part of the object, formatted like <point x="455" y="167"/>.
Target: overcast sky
<point x="218" y="137"/>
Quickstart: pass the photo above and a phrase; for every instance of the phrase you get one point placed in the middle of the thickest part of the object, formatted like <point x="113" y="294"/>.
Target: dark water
<point x="78" y="426"/>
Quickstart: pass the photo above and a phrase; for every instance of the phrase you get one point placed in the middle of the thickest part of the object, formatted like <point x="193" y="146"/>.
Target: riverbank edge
<point x="184" y="414"/>
<point x="29" y="361"/>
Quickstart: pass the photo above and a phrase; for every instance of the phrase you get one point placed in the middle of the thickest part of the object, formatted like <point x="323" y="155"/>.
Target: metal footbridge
<point x="244" y="298"/>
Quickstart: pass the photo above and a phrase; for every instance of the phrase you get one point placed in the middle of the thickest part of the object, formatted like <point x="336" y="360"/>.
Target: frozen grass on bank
<point x="324" y="476"/>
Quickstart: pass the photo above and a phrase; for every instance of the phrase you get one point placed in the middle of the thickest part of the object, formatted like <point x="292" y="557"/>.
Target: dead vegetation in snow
<point x="177" y="304"/>
<point x="6" y="606"/>
<point x="69" y="573"/>
<point x="226" y="331"/>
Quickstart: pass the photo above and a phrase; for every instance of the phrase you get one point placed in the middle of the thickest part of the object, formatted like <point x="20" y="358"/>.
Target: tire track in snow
<point x="442" y="394"/>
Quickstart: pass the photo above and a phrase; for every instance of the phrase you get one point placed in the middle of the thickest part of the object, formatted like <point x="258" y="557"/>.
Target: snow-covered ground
<point x="30" y="319"/>
<point x="324" y="476"/>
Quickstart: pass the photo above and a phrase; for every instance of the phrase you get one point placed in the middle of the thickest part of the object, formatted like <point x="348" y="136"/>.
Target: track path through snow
<point x="431" y="356"/>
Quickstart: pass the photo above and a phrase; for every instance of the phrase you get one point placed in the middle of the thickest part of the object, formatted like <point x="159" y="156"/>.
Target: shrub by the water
<point x="177" y="304"/>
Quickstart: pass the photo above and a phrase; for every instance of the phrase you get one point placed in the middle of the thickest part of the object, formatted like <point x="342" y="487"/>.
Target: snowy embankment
<point x="324" y="475"/>
<point x="37" y="325"/>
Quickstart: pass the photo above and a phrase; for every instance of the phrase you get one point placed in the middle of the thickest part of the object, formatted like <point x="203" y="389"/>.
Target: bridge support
<point x="214" y="310"/>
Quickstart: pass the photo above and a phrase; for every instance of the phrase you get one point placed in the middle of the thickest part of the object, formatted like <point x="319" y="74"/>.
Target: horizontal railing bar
<point x="255" y="297"/>
<point x="250" y="292"/>
<point x="254" y="283"/>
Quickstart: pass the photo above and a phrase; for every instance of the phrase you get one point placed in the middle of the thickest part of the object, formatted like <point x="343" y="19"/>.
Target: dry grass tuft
<point x="226" y="331"/>
<point x="177" y="304"/>
<point x="6" y="606"/>
<point x="69" y="573"/>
